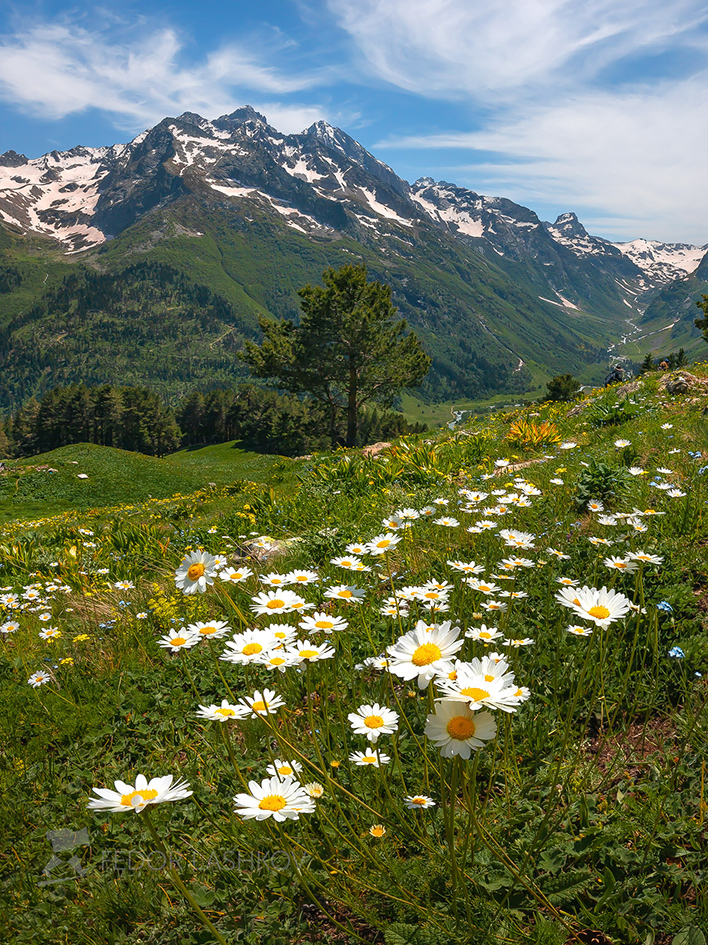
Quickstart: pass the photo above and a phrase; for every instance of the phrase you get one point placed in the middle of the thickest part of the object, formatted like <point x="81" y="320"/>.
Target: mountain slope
<point x="234" y="207"/>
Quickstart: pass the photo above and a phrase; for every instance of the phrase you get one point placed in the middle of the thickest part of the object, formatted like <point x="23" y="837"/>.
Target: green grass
<point x="117" y="477"/>
<point x="587" y="810"/>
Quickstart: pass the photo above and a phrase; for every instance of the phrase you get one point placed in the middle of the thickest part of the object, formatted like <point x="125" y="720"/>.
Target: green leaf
<point x="691" y="935"/>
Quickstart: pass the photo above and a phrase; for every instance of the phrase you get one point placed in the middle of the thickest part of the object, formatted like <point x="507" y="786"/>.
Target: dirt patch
<point x="628" y="752"/>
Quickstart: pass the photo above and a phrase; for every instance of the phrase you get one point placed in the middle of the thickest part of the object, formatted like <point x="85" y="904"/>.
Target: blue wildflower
<point x="677" y="653"/>
<point x="665" y="606"/>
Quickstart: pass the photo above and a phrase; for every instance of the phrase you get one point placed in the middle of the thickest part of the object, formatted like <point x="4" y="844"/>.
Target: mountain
<point x="233" y="212"/>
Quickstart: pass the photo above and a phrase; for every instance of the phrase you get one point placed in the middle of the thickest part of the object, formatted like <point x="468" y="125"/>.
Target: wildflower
<point x="667" y="426"/>
<point x="235" y="575"/>
<point x="10" y="626"/>
<point x="372" y="758"/>
<point x="51" y="633"/>
<point x="602" y="607"/>
<point x="675" y="493"/>
<point x="224" y="713"/>
<point x="322" y="621"/>
<point x="677" y="653"/>
<point x="393" y="523"/>
<point x="373" y="721"/>
<point x="378" y="830"/>
<point x="280" y="799"/>
<point x="262" y="703"/>
<point x="620" y="564"/>
<point x="277" y="659"/>
<point x="518" y="641"/>
<point x="273" y="579"/>
<point x="620" y="444"/>
<point x="302" y="577"/>
<point x="38" y="679"/>
<point x="568" y="445"/>
<point x="483" y="634"/>
<point x="407" y="515"/>
<point x="579" y="631"/>
<point x="382" y="543"/>
<point x="494" y="606"/>
<point x="209" y="631"/>
<point x="481" y="684"/>
<point x="665" y="606"/>
<point x="284" y="769"/>
<point x="353" y="595"/>
<point x="645" y="558"/>
<point x="249" y="646"/>
<point x="557" y="554"/>
<point x="484" y="586"/>
<point x="81" y="637"/>
<point x="447" y="520"/>
<point x="179" y="640"/>
<point x="138" y="797"/>
<point x="195" y="572"/>
<point x="421" y="654"/>
<point x="307" y="652"/>
<point x="599" y="541"/>
<point x="418" y="802"/>
<point x="276" y="602"/>
<point x="313" y="789"/>
<point x="456" y="730"/>
<point x="466" y="567"/>
<point x="607" y="519"/>
<point x="637" y="471"/>
<point x="124" y="585"/>
<point x="141" y="616"/>
<point x="515" y="539"/>
<point x="566" y="582"/>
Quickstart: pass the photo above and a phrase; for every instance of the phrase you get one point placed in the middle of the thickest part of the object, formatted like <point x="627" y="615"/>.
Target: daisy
<point x="675" y="493"/>
<point x="38" y="679"/>
<point x="637" y="471"/>
<point x="307" y="652"/>
<point x="273" y="579"/>
<point x="466" y="567"/>
<point x="124" y="585"/>
<point x="607" y="519"/>
<point x="557" y="482"/>
<point x="371" y="758"/>
<point x="276" y="602"/>
<point x="373" y="721"/>
<point x="568" y="445"/>
<point x="378" y="831"/>
<point x="557" y="554"/>
<point x="249" y="646"/>
<point x="640" y="556"/>
<point x="483" y="634"/>
<point x="224" y="713"/>
<point x="418" y="802"/>
<point x="485" y="587"/>
<point x="280" y="799"/>
<point x="51" y="633"/>
<point x="393" y="523"/>
<point x="179" y="640"/>
<point x="514" y="539"/>
<point x="422" y="655"/>
<point x="620" y="444"/>
<point x="284" y="769"/>
<point x="501" y="463"/>
<point x="599" y="541"/>
<point x="480" y="689"/>
<point x="447" y="520"/>
<point x="567" y="582"/>
<point x="382" y="543"/>
<point x="407" y="515"/>
<point x="579" y="631"/>
<point x="349" y="563"/>
<point x="235" y="575"/>
<point x="277" y="659"/>
<point x="594" y="505"/>
<point x="456" y="730"/>
<point x="322" y="621"/>
<point x="494" y="606"/>
<point x="602" y="607"/>
<point x="486" y="525"/>
<point x="302" y="577"/>
<point x="263" y="703"/>
<point x="195" y="572"/>
<point x="518" y="642"/>
<point x="353" y="595"/>
<point x="620" y="564"/>
<point x="282" y="632"/>
<point x="428" y="511"/>
<point x="313" y="789"/>
<point x="208" y="631"/>
<point x="667" y="426"/>
<point x="441" y="501"/>
<point x="138" y="797"/>
<point x="10" y="626"/>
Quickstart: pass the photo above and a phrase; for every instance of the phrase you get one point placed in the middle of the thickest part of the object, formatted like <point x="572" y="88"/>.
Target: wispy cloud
<point x="57" y="69"/>
<point x="598" y="107"/>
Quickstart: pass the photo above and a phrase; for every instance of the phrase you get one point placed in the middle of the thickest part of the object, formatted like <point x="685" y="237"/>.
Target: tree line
<point x="137" y="419"/>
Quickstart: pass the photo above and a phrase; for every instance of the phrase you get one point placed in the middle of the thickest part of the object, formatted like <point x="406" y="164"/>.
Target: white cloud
<point x="55" y="70"/>
<point x="632" y="157"/>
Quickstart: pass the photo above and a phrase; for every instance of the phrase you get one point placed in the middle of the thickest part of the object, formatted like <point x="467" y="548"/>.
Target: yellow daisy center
<point x="308" y="654"/>
<point x="251" y="648"/>
<point x="227" y="713"/>
<point x="345" y="594"/>
<point x="275" y="581"/>
<point x="378" y="831"/>
<point x="259" y="706"/>
<point x="324" y="624"/>
<point x="369" y="760"/>
<point x="474" y="692"/>
<point x="145" y="795"/>
<point x="285" y="770"/>
<point x="195" y="571"/>
<point x="621" y="565"/>
<point x="431" y="595"/>
<point x="489" y="678"/>
<point x="275" y="603"/>
<point x="382" y="544"/>
<point x="485" y="635"/>
<point x="600" y="612"/>
<point x="207" y="631"/>
<point x="277" y="661"/>
<point x="420" y="801"/>
<point x="373" y="721"/>
<point x="178" y="641"/>
<point x="302" y="578"/>
<point x="460" y="727"/>
<point x="273" y="802"/>
<point x="426" y="654"/>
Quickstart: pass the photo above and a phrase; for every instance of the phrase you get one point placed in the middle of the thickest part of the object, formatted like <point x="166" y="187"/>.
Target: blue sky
<point x="595" y="106"/>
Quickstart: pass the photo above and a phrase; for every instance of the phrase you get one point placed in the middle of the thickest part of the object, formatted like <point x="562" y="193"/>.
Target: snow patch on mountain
<point x="666" y="261"/>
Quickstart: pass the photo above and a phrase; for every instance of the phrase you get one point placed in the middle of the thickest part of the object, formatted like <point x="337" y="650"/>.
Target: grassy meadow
<point x="493" y="731"/>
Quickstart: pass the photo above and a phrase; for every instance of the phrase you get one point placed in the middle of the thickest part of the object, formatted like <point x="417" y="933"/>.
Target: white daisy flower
<point x="278" y="659"/>
<point x="625" y="565"/>
<point x="212" y="630"/>
<point x="226" y="712"/>
<point x="282" y="799"/>
<point x="373" y="759"/>
<point x="466" y="567"/>
<point x="382" y="543"/>
<point x="179" y="640"/>
<point x="284" y="769"/>
<point x="322" y="621"/>
<point x="373" y="721"/>
<point x="307" y="652"/>
<point x="642" y="556"/>
<point x="517" y="642"/>
<point x="249" y="646"/>
<point x="602" y="607"/>
<point x="456" y="730"/>
<point x="235" y="575"/>
<point x="137" y="797"/>
<point x="447" y="520"/>
<point x="421" y="655"/>
<point x="483" y="634"/>
<point x="277" y="602"/>
<point x="302" y="577"/>
<point x="274" y="579"/>
<point x="264" y="703"/>
<point x="418" y="802"/>
<point x="353" y="595"/>
<point x="196" y="572"/>
<point x="10" y="626"/>
<point x="39" y="679"/>
<point x="579" y="631"/>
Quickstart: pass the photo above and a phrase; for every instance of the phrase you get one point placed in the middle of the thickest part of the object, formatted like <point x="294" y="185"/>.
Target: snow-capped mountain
<point x="320" y="182"/>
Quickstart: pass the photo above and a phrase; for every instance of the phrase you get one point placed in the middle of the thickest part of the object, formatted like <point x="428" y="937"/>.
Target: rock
<point x="375" y="449"/>
<point x="677" y="384"/>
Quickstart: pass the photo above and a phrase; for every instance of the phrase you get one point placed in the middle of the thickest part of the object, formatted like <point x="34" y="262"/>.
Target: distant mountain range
<point x="500" y="298"/>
